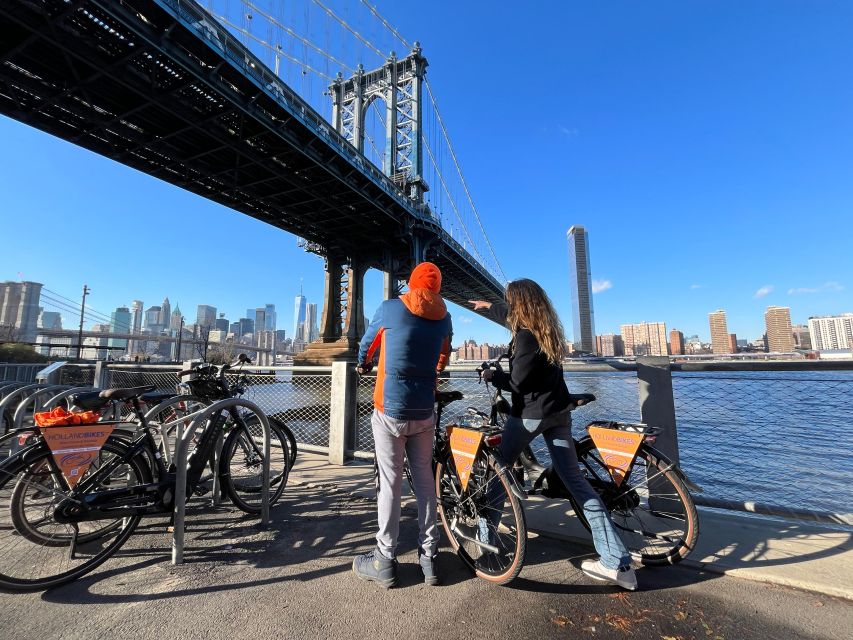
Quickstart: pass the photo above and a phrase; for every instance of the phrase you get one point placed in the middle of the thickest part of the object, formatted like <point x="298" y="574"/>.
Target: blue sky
<point x="707" y="147"/>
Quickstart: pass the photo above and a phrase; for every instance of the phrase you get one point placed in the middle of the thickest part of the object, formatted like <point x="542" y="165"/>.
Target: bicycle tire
<point x="655" y="538"/>
<point x="454" y="506"/>
<point x="291" y="440"/>
<point x="13" y="472"/>
<point x="245" y="494"/>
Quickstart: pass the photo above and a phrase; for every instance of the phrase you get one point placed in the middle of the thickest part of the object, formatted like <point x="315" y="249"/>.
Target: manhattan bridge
<point x="313" y="116"/>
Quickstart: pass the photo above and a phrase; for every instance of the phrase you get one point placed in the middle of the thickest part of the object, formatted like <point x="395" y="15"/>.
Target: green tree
<point x="16" y="352"/>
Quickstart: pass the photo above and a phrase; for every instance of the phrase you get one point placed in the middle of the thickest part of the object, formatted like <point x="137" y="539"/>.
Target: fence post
<point x="341" y="411"/>
<point x="657" y="403"/>
<point x="102" y="375"/>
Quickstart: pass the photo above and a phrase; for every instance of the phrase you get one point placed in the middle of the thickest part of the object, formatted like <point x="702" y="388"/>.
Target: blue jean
<point x="557" y="431"/>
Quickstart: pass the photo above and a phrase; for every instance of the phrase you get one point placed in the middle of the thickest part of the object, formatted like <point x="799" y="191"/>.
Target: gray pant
<point x="393" y="439"/>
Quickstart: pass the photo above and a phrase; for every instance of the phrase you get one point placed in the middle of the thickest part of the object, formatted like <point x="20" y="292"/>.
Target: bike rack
<point x="54" y="400"/>
<point x="181" y="466"/>
<point x="33" y="399"/>
<point x="179" y="422"/>
<point x="23" y="392"/>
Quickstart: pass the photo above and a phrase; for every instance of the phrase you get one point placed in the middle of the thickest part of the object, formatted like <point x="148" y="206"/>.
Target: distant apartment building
<point x="780" y="335"/>
<point x="802" y="338"/>
<point x="217" y="336"/>
<point x="719" y="332"/>
<point x="470" y="350"/>
<point x="609" y="345"/>
<point x="831" y="332"/>
<point x="221" y="323"/>
<point x="676" y="342"/>
<point x="580" y="286"/>
<point x="732" y="343"/>
<point x="206" y="316"/>
<point x="19" y="310"/>
<point x="645" y="339"/>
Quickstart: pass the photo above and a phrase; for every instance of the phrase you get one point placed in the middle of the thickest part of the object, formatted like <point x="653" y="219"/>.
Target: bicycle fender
<point x="695" y="488"/>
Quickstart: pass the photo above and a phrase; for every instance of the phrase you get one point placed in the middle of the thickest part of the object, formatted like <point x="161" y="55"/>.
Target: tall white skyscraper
<point x="580" y="285"/>
<point x="299" y="317"/>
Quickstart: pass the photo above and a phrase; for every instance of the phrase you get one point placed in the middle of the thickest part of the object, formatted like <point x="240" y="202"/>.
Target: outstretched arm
<point x="371" y="339"/>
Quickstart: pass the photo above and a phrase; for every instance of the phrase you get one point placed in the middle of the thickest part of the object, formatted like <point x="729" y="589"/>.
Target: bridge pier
<point x="342" y="321"/>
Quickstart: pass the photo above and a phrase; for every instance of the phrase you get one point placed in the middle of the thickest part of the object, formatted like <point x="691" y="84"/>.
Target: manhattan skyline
<point x="665" y="138"/>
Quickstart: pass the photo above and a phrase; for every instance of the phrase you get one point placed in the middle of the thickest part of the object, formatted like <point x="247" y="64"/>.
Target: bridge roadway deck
<point x="293" y="580"/>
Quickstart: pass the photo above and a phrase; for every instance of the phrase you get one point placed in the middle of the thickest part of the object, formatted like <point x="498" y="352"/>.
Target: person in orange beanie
<point x="412" y="336"/>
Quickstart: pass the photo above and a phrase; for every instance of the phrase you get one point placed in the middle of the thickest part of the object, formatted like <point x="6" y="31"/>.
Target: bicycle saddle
<point x="88" y="400"/>
<point x="156" y="397"/>
<point x="446" y="397"/>
<point x="126" y="393"/>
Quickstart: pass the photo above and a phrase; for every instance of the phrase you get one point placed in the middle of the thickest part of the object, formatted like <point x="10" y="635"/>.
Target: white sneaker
<point x="626" y="578"/>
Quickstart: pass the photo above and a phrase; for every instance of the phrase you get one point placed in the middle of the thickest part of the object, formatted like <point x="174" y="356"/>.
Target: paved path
<point x="293" y="580"/>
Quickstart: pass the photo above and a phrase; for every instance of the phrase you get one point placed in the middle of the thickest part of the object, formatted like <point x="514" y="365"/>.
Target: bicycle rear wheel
<point x="652" y="510"/>
<point x="490" y="539"/>
<point x="36" y="552"/>
<point x="240" y="467"/>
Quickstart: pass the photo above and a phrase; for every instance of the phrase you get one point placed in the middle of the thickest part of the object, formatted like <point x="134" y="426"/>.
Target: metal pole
<point x="86" y="291"/>
<point x="180" y="334"/>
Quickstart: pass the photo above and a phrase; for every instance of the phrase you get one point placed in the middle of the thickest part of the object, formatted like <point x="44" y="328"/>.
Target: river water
<point x="776" y="437"/>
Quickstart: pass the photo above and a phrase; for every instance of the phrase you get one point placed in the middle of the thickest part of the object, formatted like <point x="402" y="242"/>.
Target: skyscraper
<point x="50" y="320"/>
<point x="19" y="309"/>
<point x="260" y="322"/>
<point x="310" y="328"/>
<point x="120" y="322"/>
<point x="205" y="316"/>
<point x="780" y="335"/>
<point x="135" y="324"/>
<point x="175" y="319"/>
<point x="166" y="313"/>
<point x="719" y="332"/>
<point x="298" y="317"/>
<point x="270" y="317"/>
<point x="645" y="339"/>
<point x="221" y="323"/>
<point x="802" y="339"/>
<point x="152" y="319"/>
<point x="580" y="285"/>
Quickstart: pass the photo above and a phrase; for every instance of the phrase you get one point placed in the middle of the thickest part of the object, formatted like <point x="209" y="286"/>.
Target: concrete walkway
<point x="783" y="552"/>
<point x="294" y="580"/>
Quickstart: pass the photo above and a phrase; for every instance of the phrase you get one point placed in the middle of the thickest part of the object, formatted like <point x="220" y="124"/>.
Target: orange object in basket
<point x="60" y="417"/>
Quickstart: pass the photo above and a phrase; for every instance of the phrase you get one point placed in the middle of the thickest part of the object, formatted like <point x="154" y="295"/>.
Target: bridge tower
<point x="399" y="85"/>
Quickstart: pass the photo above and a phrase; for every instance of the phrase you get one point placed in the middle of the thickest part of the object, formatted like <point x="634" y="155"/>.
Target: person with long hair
<point x="541" y="405"/>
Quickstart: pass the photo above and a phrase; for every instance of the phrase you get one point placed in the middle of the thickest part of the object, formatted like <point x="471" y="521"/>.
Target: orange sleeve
<point x="444" y="356"/>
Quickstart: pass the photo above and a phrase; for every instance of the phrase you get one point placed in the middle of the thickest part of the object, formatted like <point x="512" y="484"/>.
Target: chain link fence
<point x="162" y="378"/>
<point x="300" y="399"/>
<point x="768" y="437"/>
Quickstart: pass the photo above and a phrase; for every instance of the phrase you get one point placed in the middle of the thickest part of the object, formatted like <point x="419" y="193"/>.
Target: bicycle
<point x="240" y="460"/>
<point x="63" y="516"/>
<point x="645" y="492"/>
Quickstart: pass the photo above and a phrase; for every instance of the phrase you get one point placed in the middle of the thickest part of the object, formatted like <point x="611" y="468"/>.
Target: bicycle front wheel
<point x="652" y="509"/>
<point x="484" y="522"/>
<point x="36" y="552"/>
<point x="240" y="468"/>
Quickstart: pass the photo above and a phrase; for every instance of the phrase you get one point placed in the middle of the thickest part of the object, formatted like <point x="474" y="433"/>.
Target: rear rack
<point x="633" y="427"/>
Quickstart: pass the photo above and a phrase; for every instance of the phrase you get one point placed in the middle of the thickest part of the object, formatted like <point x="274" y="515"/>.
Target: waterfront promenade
<point x="293" y="580"/>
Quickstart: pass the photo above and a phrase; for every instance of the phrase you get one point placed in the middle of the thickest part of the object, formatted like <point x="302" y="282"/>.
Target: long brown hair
<point x="530" y="308"/>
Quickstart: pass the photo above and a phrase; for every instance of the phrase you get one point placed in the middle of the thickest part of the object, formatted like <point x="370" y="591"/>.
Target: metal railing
<point x="775" y="439"/>
<point x="20" y="372"/>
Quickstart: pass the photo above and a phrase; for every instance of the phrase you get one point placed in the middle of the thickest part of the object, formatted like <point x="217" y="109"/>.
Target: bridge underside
<point x="133" y="83"/>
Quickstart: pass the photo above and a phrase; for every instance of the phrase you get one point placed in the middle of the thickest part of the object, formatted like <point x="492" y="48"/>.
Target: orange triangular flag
<point x="464" y="444"/>
<point x="617" y="448"/>
<point x="75" y="448"/>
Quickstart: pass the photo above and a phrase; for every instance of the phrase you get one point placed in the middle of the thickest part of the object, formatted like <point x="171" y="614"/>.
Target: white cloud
<point x="826" y="287"/>
<point x="763" y="291"/>
<point x="566" y="131"/>
<point x="601" y="285"/>
<point x="697" y="286"/>
<point x="465" y="319"/>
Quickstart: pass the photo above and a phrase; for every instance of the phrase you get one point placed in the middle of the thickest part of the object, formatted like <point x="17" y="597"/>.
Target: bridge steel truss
<point x="160" y="86"/>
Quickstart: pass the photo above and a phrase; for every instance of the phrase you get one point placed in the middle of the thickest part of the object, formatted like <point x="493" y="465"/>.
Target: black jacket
<point x="537" y="385"/>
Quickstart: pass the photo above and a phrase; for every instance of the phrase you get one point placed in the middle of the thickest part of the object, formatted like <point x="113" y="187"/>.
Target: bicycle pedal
<point x="200" y="491"/>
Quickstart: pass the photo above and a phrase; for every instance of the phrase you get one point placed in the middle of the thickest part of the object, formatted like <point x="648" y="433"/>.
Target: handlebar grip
<point x="185" y="372"/>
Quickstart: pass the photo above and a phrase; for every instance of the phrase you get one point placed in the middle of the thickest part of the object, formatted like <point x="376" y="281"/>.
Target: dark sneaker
<point x="374" y="567"/>
<point x="429" y="566"/>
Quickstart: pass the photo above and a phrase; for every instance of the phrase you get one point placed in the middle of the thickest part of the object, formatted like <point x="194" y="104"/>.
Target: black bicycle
<point x="240" y="459"/>
<point x="53" y="531"/>
<point x="649" y="501"/>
